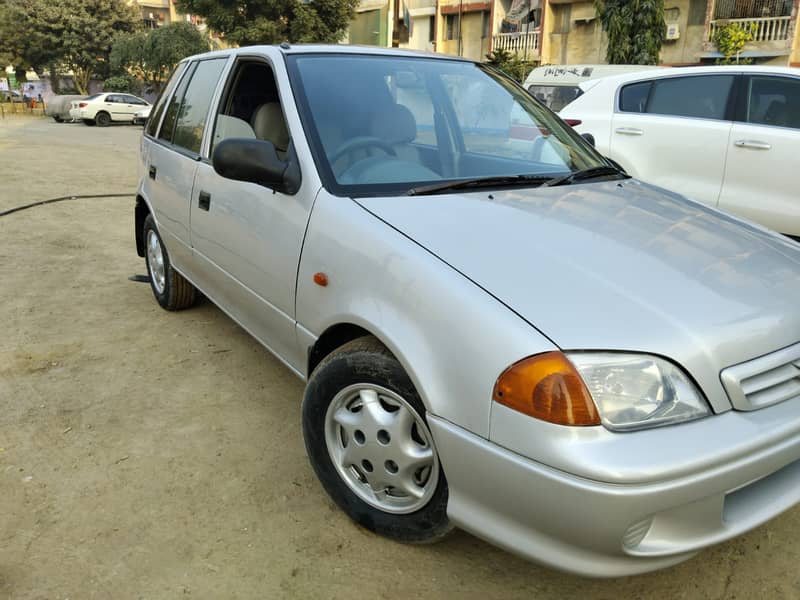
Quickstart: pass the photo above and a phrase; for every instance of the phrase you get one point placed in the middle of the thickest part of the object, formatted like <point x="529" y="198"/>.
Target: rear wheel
<point x="102" y="119"/>
<point x="370" y="445"/>
<point x="171" y="289"/>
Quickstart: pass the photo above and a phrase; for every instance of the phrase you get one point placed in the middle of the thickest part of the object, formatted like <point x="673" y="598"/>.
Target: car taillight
<point x="573" y="122"/>
<point x="83" y="104"/>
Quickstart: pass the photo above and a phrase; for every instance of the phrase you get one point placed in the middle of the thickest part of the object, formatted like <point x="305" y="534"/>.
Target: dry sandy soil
<point x="146" y="454"/>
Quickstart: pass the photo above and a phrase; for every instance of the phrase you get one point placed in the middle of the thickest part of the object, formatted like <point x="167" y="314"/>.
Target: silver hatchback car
<point x="499" y="329"/>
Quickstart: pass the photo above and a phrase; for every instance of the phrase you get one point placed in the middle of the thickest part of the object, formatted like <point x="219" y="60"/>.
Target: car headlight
<point x="622" y="391"/>
<point x="637" y="391"/>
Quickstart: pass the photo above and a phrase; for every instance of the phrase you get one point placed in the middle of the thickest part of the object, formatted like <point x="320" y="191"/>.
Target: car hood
<point x="619" y="266"/>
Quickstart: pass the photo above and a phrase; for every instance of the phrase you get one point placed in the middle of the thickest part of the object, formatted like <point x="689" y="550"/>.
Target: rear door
<point x="674" y="132"/>
<point x="130" y="106"/>
<point x="171" y="163"/>
<point x="761" y="170"/>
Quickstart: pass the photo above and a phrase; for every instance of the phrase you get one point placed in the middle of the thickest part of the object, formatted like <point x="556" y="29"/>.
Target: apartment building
<point x="569" y="31"/>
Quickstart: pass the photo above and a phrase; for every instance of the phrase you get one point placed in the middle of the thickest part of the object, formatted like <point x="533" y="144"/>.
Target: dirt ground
<point x="146" y="454"/>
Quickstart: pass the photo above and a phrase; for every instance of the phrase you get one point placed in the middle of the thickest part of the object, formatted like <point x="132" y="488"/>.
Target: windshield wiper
<point x="477" y="182"/>
<point x="584" y="174"/>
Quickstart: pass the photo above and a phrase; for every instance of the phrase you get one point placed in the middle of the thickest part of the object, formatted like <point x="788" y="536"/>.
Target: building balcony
<point x="524" y="44"/>
<point x="765" y="29"/>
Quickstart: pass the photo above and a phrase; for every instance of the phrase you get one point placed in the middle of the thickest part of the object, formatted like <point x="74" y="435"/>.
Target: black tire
<point x="103" y="119"/>
<point x="367" y="361"/>
<point x="89" y="122"/>
<point x="177" y="292"/>
<point x="57" y="119"/>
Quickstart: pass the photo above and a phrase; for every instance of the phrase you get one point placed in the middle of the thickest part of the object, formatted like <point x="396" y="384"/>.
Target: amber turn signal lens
<point x="547" y="387"/>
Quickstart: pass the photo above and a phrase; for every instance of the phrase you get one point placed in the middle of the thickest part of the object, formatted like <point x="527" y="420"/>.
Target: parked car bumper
<point x="75" y="114"/>
<point x="607" y="529"/>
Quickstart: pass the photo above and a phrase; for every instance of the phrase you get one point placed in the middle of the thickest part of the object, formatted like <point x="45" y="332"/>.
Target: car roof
<point x="575" y="74"/>
<point x="711" y="69"/>
<point x="286" y="49"/>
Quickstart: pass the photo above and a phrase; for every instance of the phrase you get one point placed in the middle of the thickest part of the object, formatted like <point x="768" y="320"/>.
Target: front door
<point x="247" y="238"/>
<point x="761" y="171"/>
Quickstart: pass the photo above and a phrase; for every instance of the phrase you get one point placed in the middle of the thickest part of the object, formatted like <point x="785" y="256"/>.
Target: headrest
<point x="396" y="125"/>
<point x="269" y="124"/>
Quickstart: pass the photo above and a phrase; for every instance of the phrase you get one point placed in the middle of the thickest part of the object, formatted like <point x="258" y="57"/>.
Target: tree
<point x="635" y="28"/>
<point x="76" y="34"/>
<point x="731" y="39"/>
<point x="152" y="55"/>
<point x="510" y="63"/>
<point x="247" y="22"/>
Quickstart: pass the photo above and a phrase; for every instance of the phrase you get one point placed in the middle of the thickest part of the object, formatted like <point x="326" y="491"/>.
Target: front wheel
<point x="57" y="119"/>
<point x="370" y="445"/>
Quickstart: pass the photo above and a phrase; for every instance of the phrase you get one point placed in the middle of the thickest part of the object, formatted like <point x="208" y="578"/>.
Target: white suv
<point x="727" y="136"/>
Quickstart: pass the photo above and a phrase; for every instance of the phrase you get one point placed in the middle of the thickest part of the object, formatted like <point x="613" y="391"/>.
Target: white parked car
<point x="140" y="118"/>
<point x="498" y="328"/>
<point x="102" y="109"/>
<point x="727" y="136"/>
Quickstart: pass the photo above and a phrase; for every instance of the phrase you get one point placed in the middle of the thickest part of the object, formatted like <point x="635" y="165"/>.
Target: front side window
<point x="191" y="121"/>
<point x="698" y="96"/>
<point x="773" y="101"/>
<point x="386" y="125"/>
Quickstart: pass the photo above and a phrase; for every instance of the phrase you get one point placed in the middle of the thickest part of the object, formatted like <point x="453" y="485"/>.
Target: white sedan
<point x="102" y="109"/>
<point x="727" y="136"/>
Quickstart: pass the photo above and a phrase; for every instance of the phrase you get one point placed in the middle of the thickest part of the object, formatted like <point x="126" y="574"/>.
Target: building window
<point x="432" y="28"/>
<point x="486" y="24"/>
<point x="451" y="27"/>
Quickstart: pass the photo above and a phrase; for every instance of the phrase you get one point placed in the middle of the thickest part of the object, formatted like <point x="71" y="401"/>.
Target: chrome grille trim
<point x="765" y="380"/>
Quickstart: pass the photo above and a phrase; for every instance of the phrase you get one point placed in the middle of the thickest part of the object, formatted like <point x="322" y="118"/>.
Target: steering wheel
<point x="358" y="143"/>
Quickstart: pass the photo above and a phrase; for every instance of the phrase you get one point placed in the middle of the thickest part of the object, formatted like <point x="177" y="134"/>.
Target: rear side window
<point x="194" y="108"/>
<point x="171" y="114"/>
<point x="773" y="101"/>
<point x="633" y="98"/>
<point x="152" y="123"/>
<point x="701" y="97"/>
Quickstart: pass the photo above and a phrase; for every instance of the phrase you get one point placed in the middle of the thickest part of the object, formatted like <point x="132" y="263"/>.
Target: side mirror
<point x="255" y="161"/>
<point x="589" y="138"/>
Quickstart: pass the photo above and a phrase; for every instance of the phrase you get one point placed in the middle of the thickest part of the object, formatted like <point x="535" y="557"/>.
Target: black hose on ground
<point x="61" y="199"/>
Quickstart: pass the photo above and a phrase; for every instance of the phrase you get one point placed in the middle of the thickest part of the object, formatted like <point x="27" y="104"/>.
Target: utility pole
<point x="396" y="25"/>
<point x="460" y="13"/>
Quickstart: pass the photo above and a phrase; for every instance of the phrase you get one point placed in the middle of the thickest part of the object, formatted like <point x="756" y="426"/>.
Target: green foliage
<point x="731" y="39"/>
<point x="152" y="55"/>
<point x="122" y="83"/>
<point x="636" y="30"/>
<point x="510" y="63"/>
<point x="246" y="22"/>
<point x="75" y="34"/>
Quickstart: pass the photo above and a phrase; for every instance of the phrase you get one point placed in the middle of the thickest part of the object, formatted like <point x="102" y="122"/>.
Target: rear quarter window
<point x="633" y="97"/>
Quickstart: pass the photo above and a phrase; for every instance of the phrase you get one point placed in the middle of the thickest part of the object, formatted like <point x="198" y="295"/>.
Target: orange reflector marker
<point x="547" y="387"/>
<point x="321" y="279"/>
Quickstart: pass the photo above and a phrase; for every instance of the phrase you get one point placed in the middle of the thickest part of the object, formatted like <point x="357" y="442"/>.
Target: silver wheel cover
<point x="381" y="448"/>
<point x="155" y="261"/>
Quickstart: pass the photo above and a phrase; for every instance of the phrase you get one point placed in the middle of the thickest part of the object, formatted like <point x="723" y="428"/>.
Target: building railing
<point x="767" y="29"/>
<point x="524" y="44"/>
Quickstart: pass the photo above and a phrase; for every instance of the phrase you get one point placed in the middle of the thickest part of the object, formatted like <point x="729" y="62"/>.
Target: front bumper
<point x="604" y="529"/>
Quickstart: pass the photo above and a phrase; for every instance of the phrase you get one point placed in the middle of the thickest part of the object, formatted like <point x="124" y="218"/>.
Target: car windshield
<point x="387" y="125"/>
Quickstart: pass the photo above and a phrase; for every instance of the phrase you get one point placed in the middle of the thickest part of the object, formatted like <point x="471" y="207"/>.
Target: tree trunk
<point x="55" y="82"/>
<point x="82" y="77"/>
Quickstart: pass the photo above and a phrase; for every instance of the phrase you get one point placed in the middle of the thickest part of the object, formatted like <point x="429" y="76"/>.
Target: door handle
<point x="754" y="144"/>
<point x="629" y="131"/>
<point x="152" y="172"/>
<point x="204" y="201"/>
